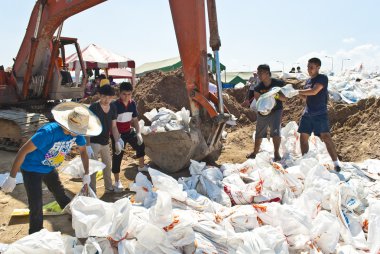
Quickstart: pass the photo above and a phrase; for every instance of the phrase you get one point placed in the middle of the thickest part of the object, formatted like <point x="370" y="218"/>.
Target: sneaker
<point x="118" y="187"/>
<point x="337" y="168"/>
<point x="143" y="169"/>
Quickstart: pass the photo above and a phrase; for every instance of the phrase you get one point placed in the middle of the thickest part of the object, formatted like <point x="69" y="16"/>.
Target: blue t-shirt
<point x="317" y="104"/>
<point x="52" y="146"/>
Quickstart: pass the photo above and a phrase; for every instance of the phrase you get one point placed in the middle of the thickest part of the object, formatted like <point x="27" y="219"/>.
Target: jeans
<point x="33" y="186"/>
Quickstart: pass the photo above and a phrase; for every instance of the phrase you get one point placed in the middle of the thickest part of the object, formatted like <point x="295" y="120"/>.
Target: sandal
<point x="251" y="156"/>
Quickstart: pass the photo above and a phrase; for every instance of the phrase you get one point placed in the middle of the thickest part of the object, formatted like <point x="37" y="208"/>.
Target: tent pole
<point x="133" y="77"/>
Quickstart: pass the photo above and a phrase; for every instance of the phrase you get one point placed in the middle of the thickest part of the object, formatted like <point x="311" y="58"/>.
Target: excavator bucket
<point x="171" y="151"/>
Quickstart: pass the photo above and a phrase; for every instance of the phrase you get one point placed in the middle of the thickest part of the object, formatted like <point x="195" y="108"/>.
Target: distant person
<point x="112" y="83"/>
<point x="315" y="118"/>
<point x="212" y="88"/>
<point x="299" y="69"/>
<point x="209" y="63"/>
<point x="99" y="145"/>
<point x="252" y="83"/>
<point x="96" y="84"/>
<point x="128" y="126"/>
<point x="89" y="88"/>
<point x="293" y="70"/>
<point x="39" y="158"/>
<point x="273" y="119"/>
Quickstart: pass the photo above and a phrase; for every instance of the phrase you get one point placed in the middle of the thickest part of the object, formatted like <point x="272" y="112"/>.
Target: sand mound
<point x="158" y="89"/>
<point x="355" y="129"/>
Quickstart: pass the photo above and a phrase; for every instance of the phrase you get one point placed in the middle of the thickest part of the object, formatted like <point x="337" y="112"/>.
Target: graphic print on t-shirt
<point x="56" y="155"/>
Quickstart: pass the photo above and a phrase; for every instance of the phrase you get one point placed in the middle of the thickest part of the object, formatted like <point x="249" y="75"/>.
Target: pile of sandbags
<point x="295" y="206"/>
<point x="165" y="119"/>
<point x="352" y="87"/>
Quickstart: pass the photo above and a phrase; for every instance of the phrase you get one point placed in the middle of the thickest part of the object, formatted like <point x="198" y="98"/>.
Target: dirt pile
<point x="355" y="129"/>
<point x="158" y="89"/>
<point x="168" y="89"/>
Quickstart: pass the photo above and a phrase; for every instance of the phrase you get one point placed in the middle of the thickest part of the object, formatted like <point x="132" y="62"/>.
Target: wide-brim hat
<point x="77" y="118"/>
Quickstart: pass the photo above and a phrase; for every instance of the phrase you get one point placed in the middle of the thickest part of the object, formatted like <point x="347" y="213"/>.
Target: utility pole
<point x="344" y="59"/>
<point x="332" y="63"/>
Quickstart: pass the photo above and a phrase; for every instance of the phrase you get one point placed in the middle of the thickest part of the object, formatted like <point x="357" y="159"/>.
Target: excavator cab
<point x="20" y="120"/>
<point x="62" y="84"/>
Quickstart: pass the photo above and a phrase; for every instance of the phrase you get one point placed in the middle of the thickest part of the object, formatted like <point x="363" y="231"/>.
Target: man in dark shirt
<point x="99" y="145"/>
<point x="315" y="118"/>
<point x="129" y="129"/>
<point x="273" y="119"/>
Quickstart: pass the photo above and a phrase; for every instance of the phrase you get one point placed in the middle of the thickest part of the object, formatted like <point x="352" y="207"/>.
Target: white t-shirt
<point x="212" y="88"/>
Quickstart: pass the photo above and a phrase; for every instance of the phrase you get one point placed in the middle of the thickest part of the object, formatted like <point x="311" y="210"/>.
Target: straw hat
<point x="77" y="118"/>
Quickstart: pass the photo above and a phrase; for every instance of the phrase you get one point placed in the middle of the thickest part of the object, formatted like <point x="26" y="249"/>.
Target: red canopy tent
<point x="98" y="57"/>
<point x="120" y="73"/>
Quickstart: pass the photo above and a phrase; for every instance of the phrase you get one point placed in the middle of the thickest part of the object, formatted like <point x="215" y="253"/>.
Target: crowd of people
<point x="93" y="85"/>
<point x="92" y="128"/>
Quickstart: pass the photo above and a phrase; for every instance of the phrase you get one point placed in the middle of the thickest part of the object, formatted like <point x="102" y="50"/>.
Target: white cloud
<point x="366" y="54"/>
<point x="349" y="40"/>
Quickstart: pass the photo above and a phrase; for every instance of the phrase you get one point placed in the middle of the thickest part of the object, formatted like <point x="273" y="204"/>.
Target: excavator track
<point x="17" y="126"/>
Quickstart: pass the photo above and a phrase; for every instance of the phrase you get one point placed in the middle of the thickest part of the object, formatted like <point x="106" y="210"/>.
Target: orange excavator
<point x="38" y="79"/>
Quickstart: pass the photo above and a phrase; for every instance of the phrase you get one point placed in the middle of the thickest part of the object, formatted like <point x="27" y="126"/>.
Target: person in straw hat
<point x="39" y="157"/>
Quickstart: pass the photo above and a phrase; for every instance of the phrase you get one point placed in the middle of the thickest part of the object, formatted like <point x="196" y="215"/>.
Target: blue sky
<point x="252" y="32"/>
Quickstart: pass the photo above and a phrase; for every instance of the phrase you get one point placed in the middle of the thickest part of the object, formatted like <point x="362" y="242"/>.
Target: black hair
<point x="264" y="67"/>
<point x="126" y="86"/>
<point x="298" y="68"/>
<point x="110" y="78"/>
<point x="315" y="61"/>
<point x="106" y="90"/>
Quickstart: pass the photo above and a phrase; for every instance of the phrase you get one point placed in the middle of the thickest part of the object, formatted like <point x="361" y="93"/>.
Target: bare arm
<point x="257" y="95"/>
<point x="27" y="148"/>
<point x="311" y="91"/>
<point x="84" y="157"/>
<point x="88" y="142"/>
<point x="115" y="131"/>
